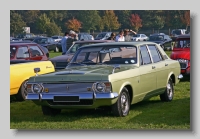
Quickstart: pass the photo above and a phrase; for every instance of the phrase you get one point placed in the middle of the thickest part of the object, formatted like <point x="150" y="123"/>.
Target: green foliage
<point x="53" y="29"/>
<point x="159" y="22"/>
<point x="42" y="23"/>
<point x="16" y="23"/>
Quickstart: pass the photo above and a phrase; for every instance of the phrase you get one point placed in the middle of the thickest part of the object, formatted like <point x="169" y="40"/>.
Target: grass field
<point x="149" y="114"/>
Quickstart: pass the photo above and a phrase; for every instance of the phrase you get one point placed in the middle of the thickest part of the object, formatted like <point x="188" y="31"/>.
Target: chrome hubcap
<point x="169" y="90"/>
<point x="124" y="103"/>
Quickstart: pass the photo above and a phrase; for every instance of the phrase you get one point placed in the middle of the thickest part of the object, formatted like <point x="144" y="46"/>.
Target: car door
<point x="147" y="73"/>
<point x="35" y="53"/>
<point x="161" y="67"/>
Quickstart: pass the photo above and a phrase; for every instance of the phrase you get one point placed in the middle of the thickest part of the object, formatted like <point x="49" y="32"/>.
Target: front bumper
<point x="75" y="100"/>
<point x="185" y="71"/>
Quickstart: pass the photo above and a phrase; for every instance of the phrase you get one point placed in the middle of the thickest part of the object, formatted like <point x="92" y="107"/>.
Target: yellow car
<point x="21" y="72"/>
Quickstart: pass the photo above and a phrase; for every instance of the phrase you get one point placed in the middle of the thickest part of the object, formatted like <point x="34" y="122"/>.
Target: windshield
<point x="183" y="43"/>
<point x="177" y="32"/>
<point x="106" y="55"/>
<point x="156" y="38"/>
<point x="13" y="50"/>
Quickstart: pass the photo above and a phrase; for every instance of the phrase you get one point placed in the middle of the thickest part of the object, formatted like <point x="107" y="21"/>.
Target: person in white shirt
<point x="120" y="37"/>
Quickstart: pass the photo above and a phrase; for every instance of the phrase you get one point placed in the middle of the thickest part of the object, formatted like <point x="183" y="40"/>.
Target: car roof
<point x="135" y="43"/>
<point x="183" y="36"/>
<point x="91" y="41"/>
<point x="23" y="43"/>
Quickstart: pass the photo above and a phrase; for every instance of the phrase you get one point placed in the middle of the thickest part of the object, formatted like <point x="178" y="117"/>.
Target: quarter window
<point x="145" y="55"/>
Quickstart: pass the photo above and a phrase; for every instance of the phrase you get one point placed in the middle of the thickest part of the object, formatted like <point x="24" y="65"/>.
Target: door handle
<point x="166" y="64"/>
<point x="153" y="67"/>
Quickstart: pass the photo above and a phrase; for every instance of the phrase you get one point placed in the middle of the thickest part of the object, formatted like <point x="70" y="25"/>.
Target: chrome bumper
<point x="180" y="76"/>
<point x="92" y="96"/>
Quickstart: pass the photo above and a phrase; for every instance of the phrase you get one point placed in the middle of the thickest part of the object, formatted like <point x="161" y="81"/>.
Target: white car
<point x="57" y="38"/>
<point x="140" y="37"/>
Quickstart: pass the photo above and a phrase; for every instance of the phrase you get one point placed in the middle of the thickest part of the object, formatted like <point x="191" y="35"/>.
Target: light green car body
<point x="142" y="82"/>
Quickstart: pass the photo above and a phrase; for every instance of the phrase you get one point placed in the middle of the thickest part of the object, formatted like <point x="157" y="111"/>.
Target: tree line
<point x="54" y="22"/>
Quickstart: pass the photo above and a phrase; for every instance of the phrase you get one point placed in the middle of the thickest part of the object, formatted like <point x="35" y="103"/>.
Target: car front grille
<point x="82" y="102"/>
<point x="183" y="65"/>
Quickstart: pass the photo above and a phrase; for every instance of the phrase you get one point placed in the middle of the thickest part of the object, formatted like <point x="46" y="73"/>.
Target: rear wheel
<point x="169" y="92"/>
<point x="122" y="106"/>
<point x="50" y="111"/>
<point x="22" y="93"/>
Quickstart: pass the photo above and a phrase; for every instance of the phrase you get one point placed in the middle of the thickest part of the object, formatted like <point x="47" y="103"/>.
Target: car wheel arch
<point x="129" y="87"/>
<point x="172" y="76"/>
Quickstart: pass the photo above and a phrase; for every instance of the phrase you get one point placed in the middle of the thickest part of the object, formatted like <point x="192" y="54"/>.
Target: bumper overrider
<point x="88" y="95"/>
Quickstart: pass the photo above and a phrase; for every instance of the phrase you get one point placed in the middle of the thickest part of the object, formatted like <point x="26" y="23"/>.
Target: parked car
<point x="47" y="42"/>
<point x="140" y="37"/>
<point x="21" y="72"/>
<point x="181" y="52"/>
<point x="103" y="36"/>
<point x="163" y="40"/>
<point x="157" y="34"/>
<point x="176" y="32"/>
<point x="60" y="62"/>
<point x="57" y="38"/>
<point x="28" y="51"/>
<point x="84" y="37"/>
<point x="113" y="75"/>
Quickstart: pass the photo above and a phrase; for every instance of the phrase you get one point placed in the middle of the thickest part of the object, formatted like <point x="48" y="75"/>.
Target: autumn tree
<point x="111" y="20"/>
<point x="73" y="24"/>
<point x="42" y="22"/>
<point x="135" y="22"/>
<point x="16" y="23"/>
<point x="186" y="19"/>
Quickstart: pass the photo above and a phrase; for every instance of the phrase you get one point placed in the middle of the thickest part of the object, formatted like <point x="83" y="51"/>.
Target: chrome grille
<point x="82" y="102"/>
<point x="183" y="65"/>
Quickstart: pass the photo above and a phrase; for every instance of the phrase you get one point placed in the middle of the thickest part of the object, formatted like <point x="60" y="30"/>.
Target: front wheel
<point x="22" y="93"/>
<point x="122" y="106"/>
<point x="169" y="91"/>
<point x="50" y="111"/>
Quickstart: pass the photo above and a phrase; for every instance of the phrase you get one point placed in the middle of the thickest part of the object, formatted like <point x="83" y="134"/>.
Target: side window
<point x="35" y="51"/>
<point x="154" y="53"/>
<point x="22" y="52"/>
<point x="145" y="55"/>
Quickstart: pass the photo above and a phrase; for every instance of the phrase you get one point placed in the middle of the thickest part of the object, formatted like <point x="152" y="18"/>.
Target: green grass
<point x="149" y="114"/>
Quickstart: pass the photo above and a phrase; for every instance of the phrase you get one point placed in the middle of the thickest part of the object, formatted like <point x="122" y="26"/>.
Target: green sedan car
<point x="113" y="75"/>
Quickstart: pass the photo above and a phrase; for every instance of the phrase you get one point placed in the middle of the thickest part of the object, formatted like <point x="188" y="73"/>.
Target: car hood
<point x="181" y="54"/>
<point x="83" y="74"/>
<point x="65" y="58"/>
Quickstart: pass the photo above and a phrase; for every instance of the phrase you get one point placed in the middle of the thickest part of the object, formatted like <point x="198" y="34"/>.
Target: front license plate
<point x="66" y="99"/>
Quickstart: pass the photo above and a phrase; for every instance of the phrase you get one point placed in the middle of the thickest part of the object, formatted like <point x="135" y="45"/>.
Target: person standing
<point x="120" y="36"/>
<point x="72" y="37"/>
<point x="112" y="36"/>
<point x="127" y="36"/>
<point x="64" y="43"/>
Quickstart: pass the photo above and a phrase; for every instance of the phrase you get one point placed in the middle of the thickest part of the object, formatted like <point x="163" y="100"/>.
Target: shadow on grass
<point x="186" y="78"/>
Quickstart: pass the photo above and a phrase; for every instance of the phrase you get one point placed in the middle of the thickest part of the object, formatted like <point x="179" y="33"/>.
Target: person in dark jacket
<point x="72" y="37"/>
<point x="112" y="36"/>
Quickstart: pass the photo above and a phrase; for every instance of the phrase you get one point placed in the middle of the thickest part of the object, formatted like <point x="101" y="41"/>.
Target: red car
<point x="28" y="51"/>
<point x="181" y="52"/>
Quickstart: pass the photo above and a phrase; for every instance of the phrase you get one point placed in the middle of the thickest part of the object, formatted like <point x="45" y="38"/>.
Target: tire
<point x="169" y="92"/>
<point x="122" y="106"/>
<point x="57" y="49"/>
<point x="50" y="111"/>
<point x="22" y="93"/>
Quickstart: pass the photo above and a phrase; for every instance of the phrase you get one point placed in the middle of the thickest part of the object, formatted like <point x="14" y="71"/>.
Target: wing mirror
<point x="36" y="70"/>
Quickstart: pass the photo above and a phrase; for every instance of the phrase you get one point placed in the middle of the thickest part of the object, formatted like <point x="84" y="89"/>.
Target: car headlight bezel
<point x="102" y="87"/>
<point x="37" y="88"/>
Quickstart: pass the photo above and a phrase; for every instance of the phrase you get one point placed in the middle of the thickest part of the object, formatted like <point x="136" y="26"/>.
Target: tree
<point x="16" y="23"/>
<point x="73" y="24"/>
<point x="42" y="22"/>
<point x="111" y="20"/>
<point x="186" y="19"/>
<point x="101" y="24"/>
<point x="53" y="29"/>
<point x="135" y="21"/>
<point x="89" y="19"/>
<point x="159" y="22"/>
<point x="123" y="18"/>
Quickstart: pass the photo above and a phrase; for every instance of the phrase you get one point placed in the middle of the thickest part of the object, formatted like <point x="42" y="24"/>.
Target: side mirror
<point x="36" y="70"/>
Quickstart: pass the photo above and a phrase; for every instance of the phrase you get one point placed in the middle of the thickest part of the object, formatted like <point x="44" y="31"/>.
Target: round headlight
<point x="37" y="88"/>
<point x="100" y="87"/>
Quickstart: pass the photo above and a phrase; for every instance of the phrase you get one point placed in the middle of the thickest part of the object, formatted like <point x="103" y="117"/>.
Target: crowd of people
<point x="72" y="36"/>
